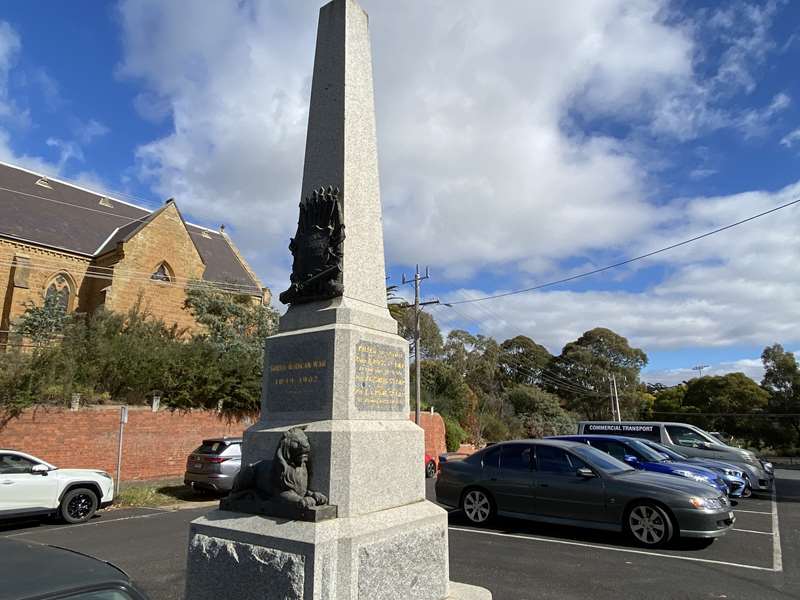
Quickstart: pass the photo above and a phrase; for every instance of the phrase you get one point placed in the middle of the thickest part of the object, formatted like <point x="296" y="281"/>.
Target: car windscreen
<point x="664" y="450"/>
<point x="211" y="447"/>
<point x="646" y="451"/>
<point x="601" y="460"/>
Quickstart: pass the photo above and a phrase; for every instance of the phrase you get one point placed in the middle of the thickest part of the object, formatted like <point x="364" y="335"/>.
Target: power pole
<point x="616" y="396"/>
<point x="611" y="398"/>
<point x="699" y="369"/>
<point x="418" y="279"/>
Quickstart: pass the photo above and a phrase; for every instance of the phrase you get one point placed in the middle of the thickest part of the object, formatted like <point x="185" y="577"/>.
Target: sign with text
<point x="643" y="430"/>
<point x="380" y="374"/>
<point x="298" y="374"/>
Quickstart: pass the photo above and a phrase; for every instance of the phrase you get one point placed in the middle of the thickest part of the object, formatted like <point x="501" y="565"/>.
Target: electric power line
<point x="200" y="284"/>
<point x="44" y="264"/>
<point x="492" y="315"/>
<point x="548" y="376"/>
<point x="627" y="261"/>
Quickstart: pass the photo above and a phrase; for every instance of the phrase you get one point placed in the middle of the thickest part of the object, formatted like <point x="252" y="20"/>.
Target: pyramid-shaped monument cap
<point x="341" y="149"/>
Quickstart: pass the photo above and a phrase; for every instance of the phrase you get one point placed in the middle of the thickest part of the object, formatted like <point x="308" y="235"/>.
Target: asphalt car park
<point x="514" y="559"/>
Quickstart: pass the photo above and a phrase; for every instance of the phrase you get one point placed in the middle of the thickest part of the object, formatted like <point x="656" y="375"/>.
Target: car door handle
<point x="493" y="479"/>
<point x="7" y="482"/>
<point x="544" y="485"/>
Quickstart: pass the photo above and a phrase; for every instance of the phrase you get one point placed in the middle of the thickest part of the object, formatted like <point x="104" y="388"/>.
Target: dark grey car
<point x="31" y="571"/>
<point x="571" y="483"/>
<point x="214" y="464"/>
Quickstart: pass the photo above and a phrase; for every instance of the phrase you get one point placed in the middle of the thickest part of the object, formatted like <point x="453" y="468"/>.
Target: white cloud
<point x="484" y="167"/>
<point x="739" y="287"/>
<point x="701" y="173"/>
<point x="470" y="122"/>
<point x="10" y="46"/>
<point x="49" y="88"/>
<point x="88" y="131"/>
<point x="755" y="122"/>
<point x="67" y="150"/>
<point x="791" y="138"/>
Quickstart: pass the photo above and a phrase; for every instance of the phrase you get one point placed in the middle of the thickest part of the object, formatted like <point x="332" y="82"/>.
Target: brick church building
<point x="92" y="250"/>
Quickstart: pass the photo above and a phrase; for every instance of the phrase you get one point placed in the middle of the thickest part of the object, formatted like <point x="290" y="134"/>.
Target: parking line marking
<point x="777" y="556"/>
<point x="626" y="550"/>
<point x="753" y="512"/>
<point x="753" y="531"/>
<point x="72" y="527"/>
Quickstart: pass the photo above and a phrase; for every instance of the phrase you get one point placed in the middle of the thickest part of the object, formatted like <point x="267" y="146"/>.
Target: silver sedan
<point x="574" y="484"/>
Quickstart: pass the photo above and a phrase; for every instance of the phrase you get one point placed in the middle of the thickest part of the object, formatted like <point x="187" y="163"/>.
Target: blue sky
<point x="516" y="146"/>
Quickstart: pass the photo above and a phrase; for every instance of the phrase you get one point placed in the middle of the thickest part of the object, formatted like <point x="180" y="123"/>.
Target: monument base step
<point x="462" y="591"/>
<point x="394" y="554"/>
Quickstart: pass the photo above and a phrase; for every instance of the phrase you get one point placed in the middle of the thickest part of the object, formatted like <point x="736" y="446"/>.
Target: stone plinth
<point x="361" y="466"/>
<point x="395" y="554"/>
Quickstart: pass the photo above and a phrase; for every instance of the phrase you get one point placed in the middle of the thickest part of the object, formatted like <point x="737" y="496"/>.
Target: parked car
<point x="571" y="483"/>
<point x="738" y="487"/>
<point x="214" y="464"/>
<point x="640" y="456"/>
<point x="691" y="441"/>
<point x="30" y="486"/>
<point x="32" y="571"/>
<point x="430" y="466"/>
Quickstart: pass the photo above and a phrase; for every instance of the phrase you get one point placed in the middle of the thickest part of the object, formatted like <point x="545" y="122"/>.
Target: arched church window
<point x="60" y="290"/>
<point x="162" y="273"/>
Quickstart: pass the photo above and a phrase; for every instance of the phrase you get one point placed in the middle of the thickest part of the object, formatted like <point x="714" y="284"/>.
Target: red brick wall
<point x="155" y="445"/>
<point x="433" y="424"/>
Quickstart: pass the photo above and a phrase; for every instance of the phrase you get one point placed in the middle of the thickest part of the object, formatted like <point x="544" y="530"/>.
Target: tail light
<point x="216" y="459"/>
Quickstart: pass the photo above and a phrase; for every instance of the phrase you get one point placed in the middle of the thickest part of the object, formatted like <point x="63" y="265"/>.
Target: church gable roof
<point x="49" y="212"/>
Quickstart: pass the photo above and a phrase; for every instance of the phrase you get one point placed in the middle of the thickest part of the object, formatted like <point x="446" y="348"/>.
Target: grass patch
<point x="157" y="495"/>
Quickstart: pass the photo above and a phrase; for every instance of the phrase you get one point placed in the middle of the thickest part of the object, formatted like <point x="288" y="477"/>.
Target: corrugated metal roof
<point x="65" y="216"/>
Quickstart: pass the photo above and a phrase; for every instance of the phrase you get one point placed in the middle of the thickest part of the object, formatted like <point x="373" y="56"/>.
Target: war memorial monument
<point x="331" y="503"/>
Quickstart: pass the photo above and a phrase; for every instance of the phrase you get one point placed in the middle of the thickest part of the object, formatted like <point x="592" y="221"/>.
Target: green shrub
<point x="493" y="429"/>
<point x="454" y="434"/>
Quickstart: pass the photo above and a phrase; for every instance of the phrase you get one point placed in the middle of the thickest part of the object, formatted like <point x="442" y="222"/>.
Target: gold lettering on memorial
<point x="380" y="382"/>
<point x="298" y="373"/>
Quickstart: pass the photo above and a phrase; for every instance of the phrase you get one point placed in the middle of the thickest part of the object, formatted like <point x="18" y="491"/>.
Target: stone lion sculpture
<point x="286" y="480"/>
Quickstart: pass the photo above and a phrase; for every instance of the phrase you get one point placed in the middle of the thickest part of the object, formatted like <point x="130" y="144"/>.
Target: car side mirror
<point x="585" y="473"/>
<point x="39" y="470"/>
<point x="631" y="460"/>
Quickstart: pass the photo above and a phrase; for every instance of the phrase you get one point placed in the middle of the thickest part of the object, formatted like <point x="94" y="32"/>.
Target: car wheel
<point x="477" y="506"/>
<point x="747" y="491"/>
<point x="430" y="469"/>
<point x="649" y="524"/>
<point x="78" y="505"/>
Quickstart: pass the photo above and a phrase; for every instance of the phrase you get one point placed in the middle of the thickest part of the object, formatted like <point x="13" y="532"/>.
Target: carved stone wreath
<point x="317" y="249"/>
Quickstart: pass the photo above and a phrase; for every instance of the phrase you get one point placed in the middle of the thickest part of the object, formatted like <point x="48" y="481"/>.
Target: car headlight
<point x="768" y="467"/>
<point x="709" y="503"/>
<point x="104" y="474"/>
<point x="733" y="473"/>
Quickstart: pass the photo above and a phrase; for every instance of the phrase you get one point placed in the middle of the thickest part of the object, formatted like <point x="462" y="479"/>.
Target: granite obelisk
<point x="338" y="372"/>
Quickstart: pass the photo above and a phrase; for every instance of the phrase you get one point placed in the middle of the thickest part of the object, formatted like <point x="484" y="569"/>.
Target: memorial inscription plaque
<point x="299" y="374"/>
<point x="379" y="377"/>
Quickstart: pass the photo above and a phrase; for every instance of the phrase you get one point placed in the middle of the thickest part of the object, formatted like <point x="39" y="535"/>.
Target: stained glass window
<point x="161" y="273"/>
<point x="59" y="288"/>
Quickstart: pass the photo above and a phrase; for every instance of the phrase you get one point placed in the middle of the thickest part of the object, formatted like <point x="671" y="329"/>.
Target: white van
<point x="689" y="440"/>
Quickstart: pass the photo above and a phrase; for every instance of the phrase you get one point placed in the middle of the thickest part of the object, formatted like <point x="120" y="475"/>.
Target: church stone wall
<point x="20" y="285"/>
<point x="163" y="239"/>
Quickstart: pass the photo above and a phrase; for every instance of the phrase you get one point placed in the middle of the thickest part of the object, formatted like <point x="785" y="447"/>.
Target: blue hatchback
<point x="640" y="456"/>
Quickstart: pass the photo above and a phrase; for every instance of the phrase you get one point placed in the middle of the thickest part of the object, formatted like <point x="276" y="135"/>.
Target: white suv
<point x="30" y="486"/>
